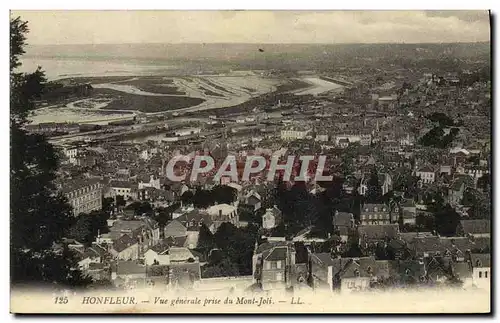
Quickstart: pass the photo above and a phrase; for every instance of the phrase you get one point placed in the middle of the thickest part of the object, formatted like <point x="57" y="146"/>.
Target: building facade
<point x="84" y="195"/>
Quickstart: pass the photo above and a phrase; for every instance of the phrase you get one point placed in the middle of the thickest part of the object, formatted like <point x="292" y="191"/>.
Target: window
<point x="480" y="274"/>
<point x="274" y="265"/>
<point x="268" y="265"/>
<point x="478" y="263"/>
<point x="278" y="264"/>
<point x="356" y="273"/>
<point x="485" y="274"/>
<point x="375" y="209"/>
<point x="279" y="276"/>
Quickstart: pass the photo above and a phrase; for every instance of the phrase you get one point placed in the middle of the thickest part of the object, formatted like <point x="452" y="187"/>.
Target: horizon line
<point x="266" y="43"/>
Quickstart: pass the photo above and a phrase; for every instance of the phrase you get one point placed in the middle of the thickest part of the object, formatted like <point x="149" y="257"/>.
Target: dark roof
<point x="378" y="231"/>
<point x="461" y="269"/>
<point x="176" y="241"/>
<point x="197" y="216"/>
<point x="96" y="266"/>
<point x="408" y="268"/>
<point x="123" y="243"/>
<point x="367" y="267"/>
<point x="457" y="185"/>
<point x="121" y="184"/>
<point x="252" y="200"/>
<point x="483" y="258"/>
<point x="438" y="267"/>
<point x="481" y="243"/>
<point x="278" y="253"/>
<point x="409" y="236"/>
<point x="129" y="267"/>
<point x="426" y="169"/>
<point x="407" y="203"/>
<point x="269" y="245"/>
<point x="342" y="219"/>
<point x="325" y="258"/>
<point x="476" y="226"/>
<point x="175" y="228"/>
<point x="76" y="184"/>
<point x="427" y="245"/>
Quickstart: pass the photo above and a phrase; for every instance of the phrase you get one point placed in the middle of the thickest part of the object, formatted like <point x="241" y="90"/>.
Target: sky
<point x="117" y="27"/>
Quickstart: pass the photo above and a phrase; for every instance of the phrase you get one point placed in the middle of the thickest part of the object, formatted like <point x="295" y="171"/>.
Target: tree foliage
<point x="373" y="190"/>
<point x="39" y="214"/>
<point x="87" y="227"/>
<point x="206" y="240"/>
<point x="446" y="220"/>
<point x="235" y="250"/>
<point x="141" y="208"/>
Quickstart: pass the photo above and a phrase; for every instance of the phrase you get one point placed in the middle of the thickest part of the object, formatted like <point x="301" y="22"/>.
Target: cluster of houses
<point x="378" y="133"/>
<point x="136" y="253"/>
<point x="409" y="259"/>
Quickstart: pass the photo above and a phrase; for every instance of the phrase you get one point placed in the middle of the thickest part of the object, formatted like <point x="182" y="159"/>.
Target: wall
<point x="483" y="282"/>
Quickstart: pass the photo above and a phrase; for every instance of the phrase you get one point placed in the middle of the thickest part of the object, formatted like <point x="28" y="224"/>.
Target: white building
<point x="321" y="138"/>
<point x="145" y="155"/>
<point x="293" y="133"/>
<point x="221" y="213"/>
<point x="122" y="188"/>
<point x="153" y="256"/>
<point x="155" y="183"/>
<point x="187" y="131"/>
<point x="427" y="174"/>
<point x="481" y="270"/>
<point x="364" y="139"/>
<point x="271" y="218"/>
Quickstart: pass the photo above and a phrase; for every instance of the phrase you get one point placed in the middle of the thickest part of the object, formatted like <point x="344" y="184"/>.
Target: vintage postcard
<point x="250" y="161"/>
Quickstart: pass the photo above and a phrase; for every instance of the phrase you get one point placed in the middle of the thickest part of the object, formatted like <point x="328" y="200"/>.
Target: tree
<point x="39" y="214"/>
<point x="224" y="194"/>
<point x="225" y="268"/>
<point x="88" y="226"/>
<point x="187" y="197"/>
<point x="206" y="240"/>
<point x="446" y="219"/>
<point x="141" y="208"/>
<point x="120" y="201"/>
<point x="163" y="215"/>
<point x="374" y="190"/>
<point x="483" y="182"/>
<point x="107" y="204"/>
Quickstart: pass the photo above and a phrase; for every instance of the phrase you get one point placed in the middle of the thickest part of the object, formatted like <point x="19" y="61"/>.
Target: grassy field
<point x="292" y="85"/>
<point x="125" y="101"/>
<point x="97" y="79"/>
<point x="155" y="84"/>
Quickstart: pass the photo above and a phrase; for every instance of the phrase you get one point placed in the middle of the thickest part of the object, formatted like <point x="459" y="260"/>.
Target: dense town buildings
<point x="382" y="224"/>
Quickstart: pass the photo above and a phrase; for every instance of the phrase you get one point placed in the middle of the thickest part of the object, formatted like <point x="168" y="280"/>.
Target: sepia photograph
<point x="250" y="161"/>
